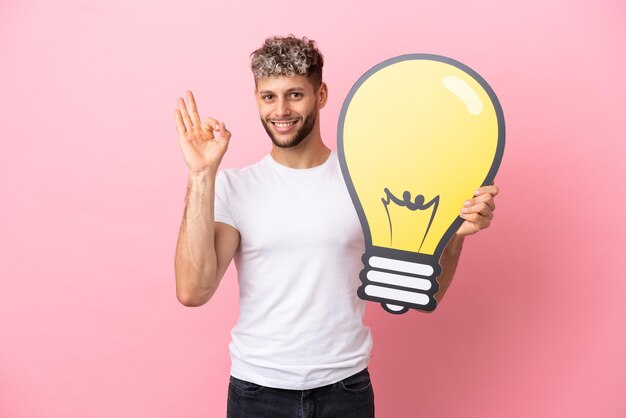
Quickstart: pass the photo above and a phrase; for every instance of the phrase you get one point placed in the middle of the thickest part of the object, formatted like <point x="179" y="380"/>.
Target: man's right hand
<point x="201" y="148"/>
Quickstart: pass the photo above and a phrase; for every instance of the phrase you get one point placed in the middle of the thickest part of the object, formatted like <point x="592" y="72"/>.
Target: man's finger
<point x="483" y="198"/>
<point x="212" y="124"/>
<point x="193" y="109"/>
<point x="183" y="111"/>
<point x="481" y="209"/>
<point x="492" y="190"/>
<point x="180" y="125"/>
<point x="224" y="133"/>
<point x="480" y="221"/>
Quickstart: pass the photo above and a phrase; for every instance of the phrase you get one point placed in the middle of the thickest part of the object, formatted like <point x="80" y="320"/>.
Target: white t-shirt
<point x="300" y="322"/>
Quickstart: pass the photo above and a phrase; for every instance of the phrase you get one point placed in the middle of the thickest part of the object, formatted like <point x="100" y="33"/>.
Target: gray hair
<point x="288" y="56"/>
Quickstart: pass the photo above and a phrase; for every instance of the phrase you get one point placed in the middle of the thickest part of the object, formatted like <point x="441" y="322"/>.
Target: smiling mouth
<point x="283" y="124"/>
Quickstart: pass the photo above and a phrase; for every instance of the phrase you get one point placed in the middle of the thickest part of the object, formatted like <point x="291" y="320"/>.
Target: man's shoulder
<point x="242" y="173"/>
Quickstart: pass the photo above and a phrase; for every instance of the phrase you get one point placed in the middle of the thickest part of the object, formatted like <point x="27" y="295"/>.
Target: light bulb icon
<point x="417" y="135"/>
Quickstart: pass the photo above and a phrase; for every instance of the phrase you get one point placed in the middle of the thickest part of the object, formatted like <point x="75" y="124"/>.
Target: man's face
<point x="288" y="107"/>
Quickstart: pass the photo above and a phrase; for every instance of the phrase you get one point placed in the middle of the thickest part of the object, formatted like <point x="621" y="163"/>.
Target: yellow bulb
<point x="417" y="135"/>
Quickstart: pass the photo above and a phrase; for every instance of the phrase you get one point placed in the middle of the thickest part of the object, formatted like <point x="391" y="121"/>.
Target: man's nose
<point x="282" y="107"/>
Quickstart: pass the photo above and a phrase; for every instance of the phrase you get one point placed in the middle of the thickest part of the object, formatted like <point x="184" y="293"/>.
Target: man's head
<point x="289" y="88"/>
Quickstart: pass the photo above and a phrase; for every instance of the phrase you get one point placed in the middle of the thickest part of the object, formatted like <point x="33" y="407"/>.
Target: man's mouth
<point x="283" y="126"/>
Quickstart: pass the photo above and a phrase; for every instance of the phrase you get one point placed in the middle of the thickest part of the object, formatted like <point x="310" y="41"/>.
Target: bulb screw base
<point x="400" y="280"/>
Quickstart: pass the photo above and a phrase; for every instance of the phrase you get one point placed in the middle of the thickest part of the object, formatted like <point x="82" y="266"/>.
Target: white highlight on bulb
<point x="463" y="91"/>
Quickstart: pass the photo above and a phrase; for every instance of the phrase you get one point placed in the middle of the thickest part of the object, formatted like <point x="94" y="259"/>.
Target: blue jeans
<point x="352" y="397"/>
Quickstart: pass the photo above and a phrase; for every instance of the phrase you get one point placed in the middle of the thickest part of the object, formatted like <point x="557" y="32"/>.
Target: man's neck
<point x="309" y="153"/>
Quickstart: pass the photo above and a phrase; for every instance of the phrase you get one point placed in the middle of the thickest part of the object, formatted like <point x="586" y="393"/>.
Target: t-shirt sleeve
<point x="222" y="210"/>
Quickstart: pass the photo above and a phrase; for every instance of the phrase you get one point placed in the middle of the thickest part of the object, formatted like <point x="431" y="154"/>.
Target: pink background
<point x="93" y="188"/>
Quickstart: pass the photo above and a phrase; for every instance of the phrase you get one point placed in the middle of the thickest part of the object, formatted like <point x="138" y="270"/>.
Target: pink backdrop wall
<point x="93" y="185"/>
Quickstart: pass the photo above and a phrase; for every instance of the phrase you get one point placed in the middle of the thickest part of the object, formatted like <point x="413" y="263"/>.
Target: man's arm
<point x="478" y="213"/>
<point x="449" y="260"/>
<point x="205" y="248"/>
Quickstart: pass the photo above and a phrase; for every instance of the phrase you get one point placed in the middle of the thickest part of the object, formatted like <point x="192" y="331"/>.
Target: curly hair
<point x="288" y="56"/>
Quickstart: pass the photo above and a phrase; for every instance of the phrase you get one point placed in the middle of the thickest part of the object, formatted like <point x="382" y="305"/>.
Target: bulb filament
<point x="417" y="204"/>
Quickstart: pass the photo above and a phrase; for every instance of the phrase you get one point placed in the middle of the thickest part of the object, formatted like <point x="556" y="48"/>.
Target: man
<point x="299" y="347"/>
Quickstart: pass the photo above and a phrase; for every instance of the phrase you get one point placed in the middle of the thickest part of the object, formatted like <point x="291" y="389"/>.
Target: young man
<point x="299" y="347"/>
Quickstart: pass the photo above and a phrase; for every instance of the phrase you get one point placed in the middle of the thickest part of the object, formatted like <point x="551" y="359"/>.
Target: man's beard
<point x="301" y="133"/>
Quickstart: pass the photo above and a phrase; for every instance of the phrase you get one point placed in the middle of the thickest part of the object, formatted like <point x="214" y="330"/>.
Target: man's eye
<point x="296" y="95"/>
<point x="267" y="97"/>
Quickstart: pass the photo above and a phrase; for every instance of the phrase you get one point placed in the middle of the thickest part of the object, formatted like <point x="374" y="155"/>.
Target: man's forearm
<point x="449" y="260"/>
<point x="196" y="261"/>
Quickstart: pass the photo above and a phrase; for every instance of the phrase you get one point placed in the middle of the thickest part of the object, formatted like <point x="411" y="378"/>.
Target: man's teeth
<point x="284" y="124"/>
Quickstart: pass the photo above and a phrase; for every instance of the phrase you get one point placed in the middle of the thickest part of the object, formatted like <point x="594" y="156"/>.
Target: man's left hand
<point x="478" y="211"/>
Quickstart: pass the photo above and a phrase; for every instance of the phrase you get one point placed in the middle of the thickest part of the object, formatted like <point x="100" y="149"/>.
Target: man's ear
<point x="322" y="95"/>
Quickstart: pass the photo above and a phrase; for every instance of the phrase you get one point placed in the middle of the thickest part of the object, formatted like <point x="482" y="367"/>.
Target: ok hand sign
<point x="201" y="148"/>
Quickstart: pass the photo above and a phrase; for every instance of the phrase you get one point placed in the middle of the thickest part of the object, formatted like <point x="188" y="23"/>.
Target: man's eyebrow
<point x="288" y="90"/>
